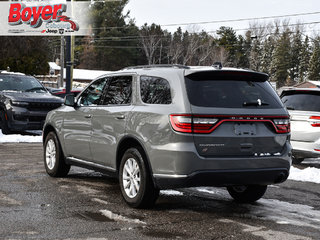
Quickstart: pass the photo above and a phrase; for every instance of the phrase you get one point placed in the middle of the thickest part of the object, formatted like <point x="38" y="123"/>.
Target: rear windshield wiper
<point x="255" y="103"/>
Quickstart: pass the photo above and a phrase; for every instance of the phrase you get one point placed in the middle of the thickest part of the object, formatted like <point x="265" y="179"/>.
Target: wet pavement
<point x="88" y="205"/>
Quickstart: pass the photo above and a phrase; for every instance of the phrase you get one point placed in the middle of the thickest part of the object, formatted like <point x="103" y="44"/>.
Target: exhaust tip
<point x="281" y="177"/>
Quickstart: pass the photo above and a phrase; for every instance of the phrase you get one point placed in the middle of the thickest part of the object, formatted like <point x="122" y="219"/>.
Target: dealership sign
<point x="46" y="17"/>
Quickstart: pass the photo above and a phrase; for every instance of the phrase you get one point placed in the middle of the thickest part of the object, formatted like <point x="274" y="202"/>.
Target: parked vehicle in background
<point x="24" y="103"/>
<point x="159" y="127"/>
<point x="61" y="92"/>
<point x="303" y="105"/>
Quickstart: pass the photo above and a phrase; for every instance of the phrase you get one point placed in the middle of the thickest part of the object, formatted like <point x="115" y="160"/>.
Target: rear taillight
<point x="315" y="121"/>
<point x="181" y="123"/>
<point x="282" y="125"/>
<point x="190" y="124"/>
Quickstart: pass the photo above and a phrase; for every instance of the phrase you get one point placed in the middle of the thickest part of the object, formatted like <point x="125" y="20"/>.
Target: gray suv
<point x="160" y="127"/>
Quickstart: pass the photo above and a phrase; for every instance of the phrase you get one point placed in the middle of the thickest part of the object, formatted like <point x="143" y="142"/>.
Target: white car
<point x="303" y="105"/>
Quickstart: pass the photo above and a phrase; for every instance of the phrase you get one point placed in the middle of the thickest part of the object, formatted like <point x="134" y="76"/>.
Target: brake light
<point x="315" y="121"/>
<point x="190" y="124"/>
<point x="181" y="123"/>
<point x="282" y="125"/>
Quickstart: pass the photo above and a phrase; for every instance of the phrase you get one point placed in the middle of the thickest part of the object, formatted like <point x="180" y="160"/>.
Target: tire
<point x="247" y="194"/>
<point x="135" y="180"/>
<point x="54" y="161"/>
<point x="4" y="124"/>
<point x="297" y="160"/>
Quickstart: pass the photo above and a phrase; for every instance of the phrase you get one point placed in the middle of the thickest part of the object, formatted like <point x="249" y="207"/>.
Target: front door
<point x="77" y="124"/>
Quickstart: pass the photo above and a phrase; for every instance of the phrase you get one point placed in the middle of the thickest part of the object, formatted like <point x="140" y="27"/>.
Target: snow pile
<point x="16" y="138"/>
<point x="171" y="193"/>
<point x="119" y="218"/>
<point x="309" y="174"/>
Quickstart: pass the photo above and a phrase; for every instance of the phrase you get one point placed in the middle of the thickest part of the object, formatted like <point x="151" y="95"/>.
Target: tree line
<point x="280" y="48"/>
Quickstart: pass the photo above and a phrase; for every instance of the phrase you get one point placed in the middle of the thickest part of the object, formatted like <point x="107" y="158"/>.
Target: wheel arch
<point x="129" y="142"/>
<point x="46" y="130"/>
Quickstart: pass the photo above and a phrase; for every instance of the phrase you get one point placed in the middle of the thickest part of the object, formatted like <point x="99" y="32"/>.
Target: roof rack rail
<point x="158" y="66"/>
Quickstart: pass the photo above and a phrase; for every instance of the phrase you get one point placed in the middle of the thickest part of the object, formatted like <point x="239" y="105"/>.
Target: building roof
<point x="54" y="66"/>
<point x="85" y="74"/>
<point x="79" y="74"/>
<point x="315" y="83"/>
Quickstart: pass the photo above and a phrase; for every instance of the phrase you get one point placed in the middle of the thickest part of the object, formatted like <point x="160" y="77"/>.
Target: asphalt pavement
<point x="88" y="205"/>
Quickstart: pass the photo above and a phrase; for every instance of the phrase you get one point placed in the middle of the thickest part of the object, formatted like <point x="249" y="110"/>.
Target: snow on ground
<point x="16" y="138"/>
<point x="310" y="174"/>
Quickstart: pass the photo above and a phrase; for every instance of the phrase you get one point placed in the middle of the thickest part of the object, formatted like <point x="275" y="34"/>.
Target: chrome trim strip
<point x="169" y="176"/>
<point x="91" y="164"/>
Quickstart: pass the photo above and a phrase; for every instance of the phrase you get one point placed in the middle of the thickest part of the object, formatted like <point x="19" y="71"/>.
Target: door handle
<point x="120" y="117"/>
<point x="88" y="116"/>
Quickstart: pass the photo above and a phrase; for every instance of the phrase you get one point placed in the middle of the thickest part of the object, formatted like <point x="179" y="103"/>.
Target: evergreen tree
<point x="281" y="59"/>
<point x="29" y="55"/>
<point x="314" y="69"/>
<point x="243" y="52"/>
<point x="113" y="46"/>
<point x="229" y="41"/>
<point x="266" y="55"/>
<point x="305" y="60"/>
<point x="255" y="55"/>
<point x="296" y="57"/>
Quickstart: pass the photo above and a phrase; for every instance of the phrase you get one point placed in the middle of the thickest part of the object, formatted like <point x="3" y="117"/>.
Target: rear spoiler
<point x="229" y="75"/>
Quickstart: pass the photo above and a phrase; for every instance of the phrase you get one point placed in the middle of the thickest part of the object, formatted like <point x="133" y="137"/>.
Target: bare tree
<point x="150" y="37"/>
<point x="192" y="44"/>
<point x="220" y="54"/>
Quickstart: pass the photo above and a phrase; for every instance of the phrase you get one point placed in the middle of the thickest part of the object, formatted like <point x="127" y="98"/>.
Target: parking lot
<point x="88" y="205"/>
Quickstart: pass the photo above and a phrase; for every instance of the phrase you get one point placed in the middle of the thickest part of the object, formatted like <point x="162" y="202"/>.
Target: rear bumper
<point x="184" y="167"/>
<point x="222" y="178"/>
<point x="305" y="149"/>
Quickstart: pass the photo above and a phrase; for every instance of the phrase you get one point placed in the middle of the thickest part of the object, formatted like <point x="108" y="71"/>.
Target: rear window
<point x="155" y="90"/>
<point x="231" y="91"/>
<point x="303" y="101"/>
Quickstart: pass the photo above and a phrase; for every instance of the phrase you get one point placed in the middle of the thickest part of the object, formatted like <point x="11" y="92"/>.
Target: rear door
<point x="241" y="112"/>
<point x="109" y="120"/>
<point x="304" y="109"/>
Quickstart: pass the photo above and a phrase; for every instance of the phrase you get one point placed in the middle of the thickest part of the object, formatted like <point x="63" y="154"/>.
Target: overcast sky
<point x="166" y="12"/>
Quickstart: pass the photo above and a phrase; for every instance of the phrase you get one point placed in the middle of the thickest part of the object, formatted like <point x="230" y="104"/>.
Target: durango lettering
<point x="34" y="16"/>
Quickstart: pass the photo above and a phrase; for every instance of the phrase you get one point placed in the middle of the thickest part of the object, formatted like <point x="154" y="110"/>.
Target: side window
<point x="119" y="91"/>
<point x="92" y="95"/>
<point x="155" y="90"/>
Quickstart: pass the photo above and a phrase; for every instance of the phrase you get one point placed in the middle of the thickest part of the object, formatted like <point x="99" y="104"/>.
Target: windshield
<point x="303" y="101"/>
<point x="20" y="84"/>
<point x="231" y="93"/>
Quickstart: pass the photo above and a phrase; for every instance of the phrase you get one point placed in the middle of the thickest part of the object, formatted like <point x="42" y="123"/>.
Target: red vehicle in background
<point x="61" y="92"/>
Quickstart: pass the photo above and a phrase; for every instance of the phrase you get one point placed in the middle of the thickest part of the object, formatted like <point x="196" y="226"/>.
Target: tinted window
<point x="20" y="83"/>
<point x="155" y="90"/>
<point x="231" y="93"/>
<point x="304" y="101"/>
<point x="119" y="91"/>
<point x="92" y="95"/>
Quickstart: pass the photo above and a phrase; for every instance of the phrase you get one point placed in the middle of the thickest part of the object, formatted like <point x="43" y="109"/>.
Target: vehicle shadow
<point x="309" y="162"/>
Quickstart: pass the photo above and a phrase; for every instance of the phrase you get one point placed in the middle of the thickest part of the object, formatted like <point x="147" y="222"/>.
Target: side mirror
<point x="69" y="100"/>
